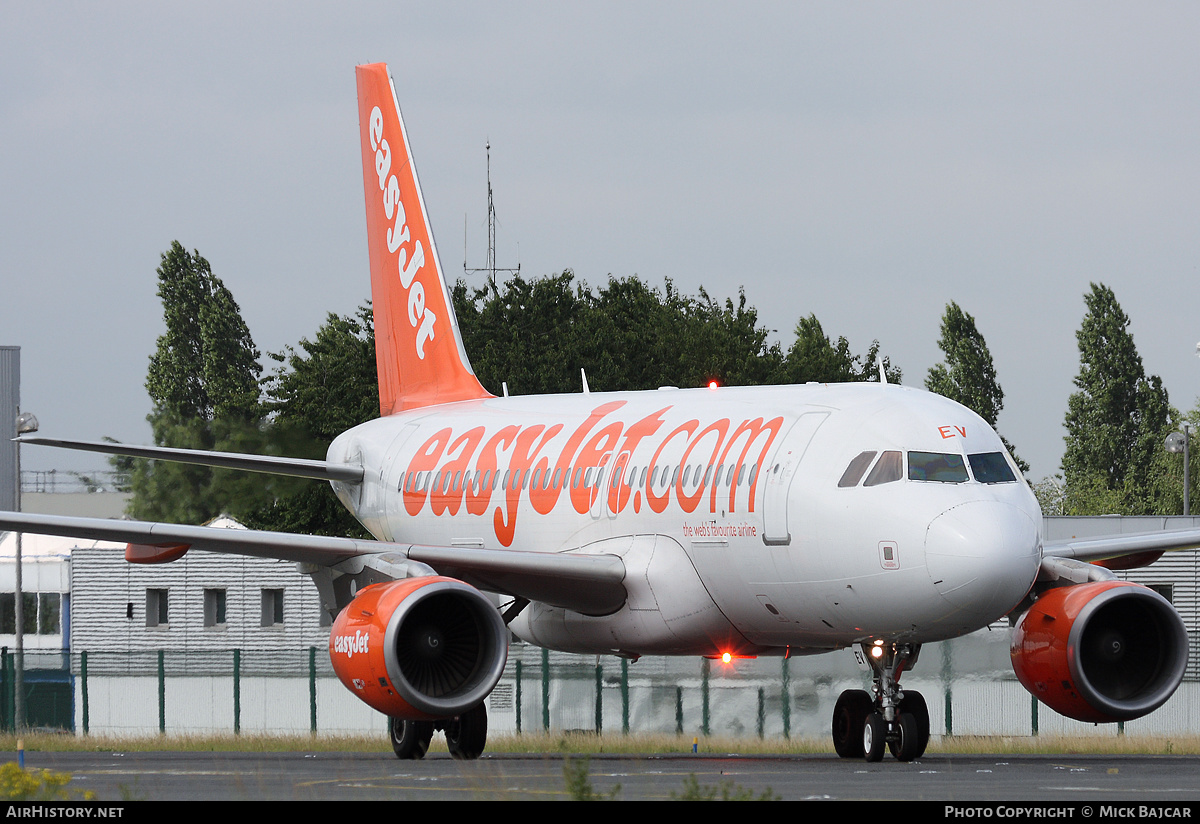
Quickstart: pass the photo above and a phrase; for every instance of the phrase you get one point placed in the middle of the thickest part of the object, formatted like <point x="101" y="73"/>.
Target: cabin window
<point x="991" y="468"/>
<point x="939" y="467"/>
<point x="889" y="467"/>
<point x="857" y="467"/>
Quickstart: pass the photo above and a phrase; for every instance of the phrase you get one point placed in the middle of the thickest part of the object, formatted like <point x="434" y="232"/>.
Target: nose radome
<point x="983" y="556"/>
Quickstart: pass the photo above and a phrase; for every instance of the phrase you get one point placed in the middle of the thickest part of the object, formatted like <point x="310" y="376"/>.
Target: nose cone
<point x="983" y="557"/>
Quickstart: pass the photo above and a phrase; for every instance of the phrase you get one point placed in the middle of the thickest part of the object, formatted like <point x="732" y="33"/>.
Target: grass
<point x="586" y="743"/>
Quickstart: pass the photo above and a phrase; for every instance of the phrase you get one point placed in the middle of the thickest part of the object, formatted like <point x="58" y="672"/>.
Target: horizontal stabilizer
<point x="272" y="465"/>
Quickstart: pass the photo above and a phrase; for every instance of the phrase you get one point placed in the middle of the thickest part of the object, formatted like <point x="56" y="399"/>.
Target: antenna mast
<point x="489" y="267"/>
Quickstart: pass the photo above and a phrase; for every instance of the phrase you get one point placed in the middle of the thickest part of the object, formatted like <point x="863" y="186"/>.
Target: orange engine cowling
<point x="419" y="648"/>
<point x="1102" y="651"/>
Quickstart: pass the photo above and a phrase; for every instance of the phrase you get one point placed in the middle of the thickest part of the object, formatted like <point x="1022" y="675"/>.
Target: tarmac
<point x="1108" y="784"/>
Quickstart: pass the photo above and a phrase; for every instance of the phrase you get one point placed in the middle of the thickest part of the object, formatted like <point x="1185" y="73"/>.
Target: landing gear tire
<point x="914" y="703"/>
<point x="906" y="744"/>
<point x="410" y="739"/>
<point x="849" y="715"/>
<point x="874" y="737"/>
<point x="466" y="735"/>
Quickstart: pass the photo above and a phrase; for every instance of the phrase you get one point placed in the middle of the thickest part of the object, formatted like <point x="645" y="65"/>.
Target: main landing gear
<point x="466" y="735"/>
<point x="864" y="723"/>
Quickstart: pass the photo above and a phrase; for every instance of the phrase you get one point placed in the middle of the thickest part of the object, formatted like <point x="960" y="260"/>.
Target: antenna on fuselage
<point x="583" y="375"/>
<point x="504" y="387"/>
<point x="882" y="374"/>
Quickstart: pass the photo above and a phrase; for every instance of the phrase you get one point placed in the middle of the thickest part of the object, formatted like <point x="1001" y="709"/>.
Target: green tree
<point x="326" y="387"/>
<point x="968" y="374"/>
<point x="1117" y="420"/>
<point x="203" y="384"/>
<point x="814" y="357"/>
<point x="536" y="335"/>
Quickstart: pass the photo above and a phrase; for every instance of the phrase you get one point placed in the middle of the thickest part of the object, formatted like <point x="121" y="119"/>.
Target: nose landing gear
<point x="863" y="724"/>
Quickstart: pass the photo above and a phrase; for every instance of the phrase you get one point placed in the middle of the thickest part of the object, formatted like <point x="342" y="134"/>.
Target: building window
<point x="40" y="613"/>
<point x="272" y="607"/>
<point x="49" y="614"/>
<point x="156" y="607"/>
<point x="1165" y="590"/>
<point x="214" y="607"/>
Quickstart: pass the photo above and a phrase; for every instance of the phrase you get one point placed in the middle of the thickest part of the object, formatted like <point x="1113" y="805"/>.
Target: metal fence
<point x="967" y="683"/>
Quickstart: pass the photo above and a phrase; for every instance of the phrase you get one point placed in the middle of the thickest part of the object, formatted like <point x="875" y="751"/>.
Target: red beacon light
<point x="713" y="384"/>
<point x="727" y="657"/>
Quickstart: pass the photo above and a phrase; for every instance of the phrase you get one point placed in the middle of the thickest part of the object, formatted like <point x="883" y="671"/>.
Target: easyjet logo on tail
<point x="398" y="234"/>
<point x="418" y="349"/>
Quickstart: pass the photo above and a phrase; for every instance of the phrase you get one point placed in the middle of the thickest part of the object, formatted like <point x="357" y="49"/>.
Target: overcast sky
<point x="864" y="162"/>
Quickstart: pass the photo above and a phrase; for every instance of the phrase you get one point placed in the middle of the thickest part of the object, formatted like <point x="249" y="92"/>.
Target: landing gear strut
<point x="863" y="724"/>
<point x="466" y="735"/>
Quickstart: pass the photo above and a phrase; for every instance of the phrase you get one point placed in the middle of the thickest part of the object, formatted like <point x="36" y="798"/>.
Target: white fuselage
<point x="725" y="506"/>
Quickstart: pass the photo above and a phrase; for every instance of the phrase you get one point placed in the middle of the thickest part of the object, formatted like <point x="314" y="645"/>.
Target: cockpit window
<point x="855" y="470"/>
<point x="889" y="468"/>
<point x="936" y="466"/>
<point x="991" y="468"/>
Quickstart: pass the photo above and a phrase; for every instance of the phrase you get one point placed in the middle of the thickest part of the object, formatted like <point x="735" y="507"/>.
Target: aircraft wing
<point x="1116" y="546"/>
<point x="592" y="584"/>
<point x="298" y="467"/>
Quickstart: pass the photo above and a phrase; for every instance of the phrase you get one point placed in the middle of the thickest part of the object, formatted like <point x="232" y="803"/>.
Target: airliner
<point x="711" y="521"/>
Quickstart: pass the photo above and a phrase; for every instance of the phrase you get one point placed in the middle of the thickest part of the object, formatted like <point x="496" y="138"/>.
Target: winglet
<point x="418" y="349"/>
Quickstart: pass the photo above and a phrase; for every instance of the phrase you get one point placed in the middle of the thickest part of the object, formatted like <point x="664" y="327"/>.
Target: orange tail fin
<point x="418" y="349"/>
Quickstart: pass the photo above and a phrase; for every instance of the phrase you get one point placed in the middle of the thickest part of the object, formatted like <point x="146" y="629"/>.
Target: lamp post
<point x="26" y="423"/>
<point x="1179" y="442"/>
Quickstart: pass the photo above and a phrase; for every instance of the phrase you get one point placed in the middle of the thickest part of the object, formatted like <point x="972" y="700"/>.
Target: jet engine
<point x="419" y="648"/>
<point x="1101" y="651"/>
